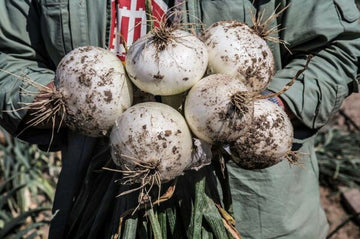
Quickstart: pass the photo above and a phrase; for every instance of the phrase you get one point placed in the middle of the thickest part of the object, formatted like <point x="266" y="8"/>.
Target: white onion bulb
<point x="210" y="110"/>
<point x="235" y="49"/>
<point x="268" y="140"/>
<point x="94" y="89"/>
<point x="168" y="65"/>
<point x="152" y="135"/>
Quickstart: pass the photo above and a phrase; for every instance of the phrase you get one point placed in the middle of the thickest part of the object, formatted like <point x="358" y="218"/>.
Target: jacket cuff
<point x="17" y="96"/>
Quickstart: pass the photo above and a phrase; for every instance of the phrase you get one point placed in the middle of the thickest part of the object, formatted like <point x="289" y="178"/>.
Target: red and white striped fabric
<point x="129" y="22"/>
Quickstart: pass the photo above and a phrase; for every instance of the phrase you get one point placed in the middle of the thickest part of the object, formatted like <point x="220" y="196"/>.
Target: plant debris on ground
<point x="27" y="185"/>
<point x="338" y="153"/>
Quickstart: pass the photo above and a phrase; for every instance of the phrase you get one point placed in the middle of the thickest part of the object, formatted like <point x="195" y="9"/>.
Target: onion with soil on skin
<point x="238" y="49"/>
<point x="268" y="140"/>
<point x="152" y="144"/>
<point x="218" y="108"/>
<point x="92" y="90"/>
<point x="166" y="61"/>
<point x="234" y="48"/>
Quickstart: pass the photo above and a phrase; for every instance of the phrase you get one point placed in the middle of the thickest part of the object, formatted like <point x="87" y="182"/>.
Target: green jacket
<point x="279" y="202"/>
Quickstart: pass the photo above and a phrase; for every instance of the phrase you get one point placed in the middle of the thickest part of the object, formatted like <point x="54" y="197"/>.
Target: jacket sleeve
<point x="328" y="29"/>
<point x="22" y="54"/>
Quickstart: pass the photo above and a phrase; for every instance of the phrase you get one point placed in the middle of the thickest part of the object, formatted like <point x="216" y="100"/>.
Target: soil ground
<point x="351" y="106"/>
<point x="331" y="200"/>
<point x="336" y="214"/>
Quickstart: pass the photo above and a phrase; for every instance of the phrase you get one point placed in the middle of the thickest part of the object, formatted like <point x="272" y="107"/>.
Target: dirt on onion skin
<point x="108" y="96"/>
<point x="255" y="162"/>
<point x="159" y="143"/>
<point x="155" y="134"/>
<point x="217" y="108"/>
<point x="85" y="79"/>
<point x="162" y="37"/>
<point x="94" y="89"/>
<point x="158" y="77"/>
<point x="259" y="133"/>
<point x="262" y="67"/>
<point x="230" y="116"/>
